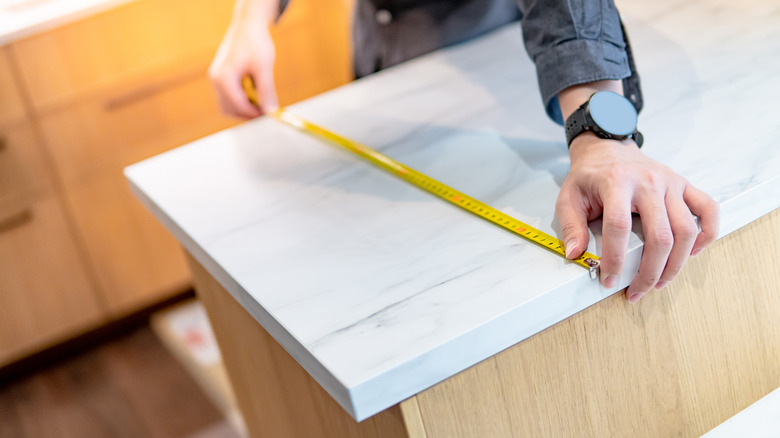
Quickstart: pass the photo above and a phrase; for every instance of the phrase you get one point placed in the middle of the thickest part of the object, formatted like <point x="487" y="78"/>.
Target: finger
<point x="708" y="212"/>
<point x="572" y="215"/>
<point x="236" y="99"/>
<point x="684" y="230"/>
<point x="616" y="231"/>
<point x="266" y="88"/>
<point x="225" y="106"/>
<point x="658" y="244"/>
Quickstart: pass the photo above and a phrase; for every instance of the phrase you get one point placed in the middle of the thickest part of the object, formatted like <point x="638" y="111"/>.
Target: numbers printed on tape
<point x="438" y="189"/>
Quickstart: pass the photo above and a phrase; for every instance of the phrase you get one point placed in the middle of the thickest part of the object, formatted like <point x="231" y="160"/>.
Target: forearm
<point x="247" y="50"/>
<point x="256" y="11"/>
<point x="573" y="42"/>
<point x="571" y="98"/>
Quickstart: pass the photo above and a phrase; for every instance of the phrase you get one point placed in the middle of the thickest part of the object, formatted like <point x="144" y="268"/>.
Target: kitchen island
<point x="329" y="282"/>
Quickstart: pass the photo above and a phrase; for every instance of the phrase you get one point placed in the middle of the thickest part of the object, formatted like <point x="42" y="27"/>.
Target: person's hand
<point x="613" y="179"/>
<point x="246" y="49"/>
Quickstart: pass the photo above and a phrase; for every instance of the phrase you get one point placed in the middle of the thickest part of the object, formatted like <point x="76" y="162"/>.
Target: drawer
<point x="126" y="127"/>
<point x="118" y="47"/>
<point x="12" y="107"/>
<point x="46" y="293"/>
<point x="111" y="51"/>
<point x="25" y="173"/>
<point x="136" y="261"/>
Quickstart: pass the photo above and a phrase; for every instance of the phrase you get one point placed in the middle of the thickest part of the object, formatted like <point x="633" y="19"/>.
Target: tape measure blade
<point x="438" y="189"/>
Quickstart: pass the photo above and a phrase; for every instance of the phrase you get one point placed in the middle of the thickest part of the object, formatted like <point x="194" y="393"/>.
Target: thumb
<point x="267" y="88"/>
<point x="574" y="225"/>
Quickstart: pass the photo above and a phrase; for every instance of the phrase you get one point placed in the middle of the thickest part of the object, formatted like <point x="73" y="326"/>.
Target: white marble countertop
<point x="380" y="290"/>
<point x="23" y="18"/>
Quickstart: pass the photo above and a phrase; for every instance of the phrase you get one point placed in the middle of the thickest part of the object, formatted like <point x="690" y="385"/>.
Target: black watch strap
<point x="576" y="124"/>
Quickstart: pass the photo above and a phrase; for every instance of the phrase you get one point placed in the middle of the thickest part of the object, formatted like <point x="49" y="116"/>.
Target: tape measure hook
<point x="593" y="267"/>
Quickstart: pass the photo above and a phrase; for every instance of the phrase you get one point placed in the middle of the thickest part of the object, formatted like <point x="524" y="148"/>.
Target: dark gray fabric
<point x="570" y="41"/>
<point x="417" y="27"/>
<point x="573" y="42"/>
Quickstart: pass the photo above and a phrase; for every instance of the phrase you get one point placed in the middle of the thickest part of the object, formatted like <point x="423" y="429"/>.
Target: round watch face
<point x="613" y="113"/>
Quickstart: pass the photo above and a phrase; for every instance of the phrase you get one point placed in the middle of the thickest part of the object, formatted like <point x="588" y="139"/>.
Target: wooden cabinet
<point x="12" y="108"/>
<point x="136" y="261"/>
<point x="130" y="83"/>
<point x="82" y="101"/>
<point x="678" y="363"/>
<point x="132" y="45"/>
<point x="46" y="294"/>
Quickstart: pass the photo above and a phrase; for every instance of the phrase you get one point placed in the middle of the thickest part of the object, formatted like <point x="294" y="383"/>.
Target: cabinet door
<point x="126" y="95"/>
<point x="119" y="47"/>
<point x="136" y="261"/>
<point x="146" y="43"/>
<point x="45" y="293"/>
<point x="11" y="103"/>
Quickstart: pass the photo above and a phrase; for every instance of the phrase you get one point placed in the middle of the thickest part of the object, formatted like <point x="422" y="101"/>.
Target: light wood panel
<point x="24" y="170"/>
<point x="45" y="292"/>
<point x="108" y="91"/>
<point x="12" y="108"/>
<point x="313" y="49"/>
<point x="46" y="295"/>
<point x="124" y="128"/>
<point x="679" y="363"/>
<point x="140" y="44"/>
<point x="135" y="259"/>
<point x="102" y="54"/>
<point x="410" y="411"/>
<point x="276" y="395"/>
<point x="92" y="138"/>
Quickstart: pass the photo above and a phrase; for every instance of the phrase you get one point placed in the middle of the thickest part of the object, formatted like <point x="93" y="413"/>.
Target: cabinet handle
<point x="16" y="216"/>
<point x="151" y="90"/>
<point x="15" y="220"/>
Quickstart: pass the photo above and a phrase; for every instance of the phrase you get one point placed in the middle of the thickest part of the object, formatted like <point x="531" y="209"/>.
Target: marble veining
<point x="378" y="289"/>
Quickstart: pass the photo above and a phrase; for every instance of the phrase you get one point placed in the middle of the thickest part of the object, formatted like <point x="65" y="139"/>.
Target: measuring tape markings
<point x="437" y="188"/>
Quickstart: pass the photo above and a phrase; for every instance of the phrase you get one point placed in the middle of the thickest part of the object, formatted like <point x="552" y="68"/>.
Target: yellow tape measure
<point x="430" y="185"/>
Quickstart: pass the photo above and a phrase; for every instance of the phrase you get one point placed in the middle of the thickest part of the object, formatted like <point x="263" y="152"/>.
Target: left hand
<point x="614" y="179"/>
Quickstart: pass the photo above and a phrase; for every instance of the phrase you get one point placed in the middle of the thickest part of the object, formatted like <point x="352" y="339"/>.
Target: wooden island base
<point x="678" y="363"/>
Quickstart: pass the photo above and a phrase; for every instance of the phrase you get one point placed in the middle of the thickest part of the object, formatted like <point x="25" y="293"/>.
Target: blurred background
<point x="100" y="334"/>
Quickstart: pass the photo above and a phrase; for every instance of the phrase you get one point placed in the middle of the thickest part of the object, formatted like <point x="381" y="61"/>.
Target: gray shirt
<point x="570" y="41"/>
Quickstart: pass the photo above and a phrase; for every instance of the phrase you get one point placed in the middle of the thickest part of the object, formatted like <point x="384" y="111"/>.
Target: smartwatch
<point x="606" y="114"/>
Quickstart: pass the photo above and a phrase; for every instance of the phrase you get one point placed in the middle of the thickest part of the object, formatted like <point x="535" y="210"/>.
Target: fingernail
<point x="570" y="246"/>
<point x="633" y="298"/>
<point x="696" y="252"/>
<point x="661" y="284"/>
<point x="609" y="281"/>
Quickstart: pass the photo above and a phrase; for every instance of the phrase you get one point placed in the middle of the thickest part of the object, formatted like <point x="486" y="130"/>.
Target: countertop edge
<point x="293" y="347"/>
<point x="425" y="370"/>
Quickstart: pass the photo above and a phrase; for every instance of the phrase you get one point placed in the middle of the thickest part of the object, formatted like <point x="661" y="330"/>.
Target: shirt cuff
<point x="577" y="62"/>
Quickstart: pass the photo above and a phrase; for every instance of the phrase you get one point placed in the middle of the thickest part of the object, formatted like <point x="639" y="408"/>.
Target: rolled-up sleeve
<point x="573" y="42"/>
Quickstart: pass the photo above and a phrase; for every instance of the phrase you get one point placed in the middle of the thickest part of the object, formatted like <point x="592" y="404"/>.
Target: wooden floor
<point x="127" y="387"/>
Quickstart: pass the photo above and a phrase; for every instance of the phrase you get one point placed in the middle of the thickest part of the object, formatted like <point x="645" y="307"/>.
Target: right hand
<point x="246" y="49"/>
<point x="613" y="179"/>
